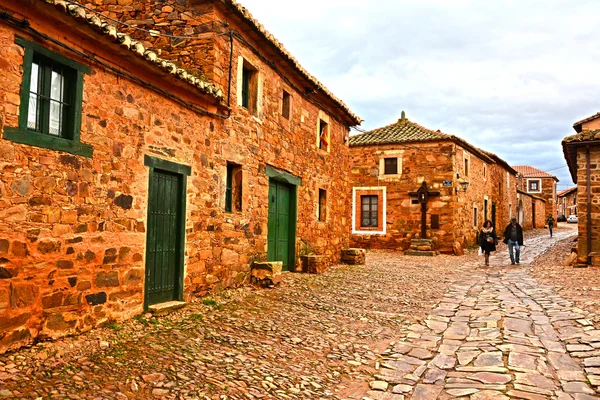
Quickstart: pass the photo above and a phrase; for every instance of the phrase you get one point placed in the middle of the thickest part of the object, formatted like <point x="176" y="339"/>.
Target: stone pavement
<point x="497" y="334"/>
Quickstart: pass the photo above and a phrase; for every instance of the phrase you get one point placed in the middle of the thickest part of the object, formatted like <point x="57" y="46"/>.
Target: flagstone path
<point x="497" y="334"/>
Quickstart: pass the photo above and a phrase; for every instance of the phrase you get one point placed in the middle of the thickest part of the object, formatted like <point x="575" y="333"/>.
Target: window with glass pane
<point x="391" y="166"/>
<point x="50" y="108"/>
<point x="369" y="211"/>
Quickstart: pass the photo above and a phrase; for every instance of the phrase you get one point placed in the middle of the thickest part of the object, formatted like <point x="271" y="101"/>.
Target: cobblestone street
<point x="351" y="333"/>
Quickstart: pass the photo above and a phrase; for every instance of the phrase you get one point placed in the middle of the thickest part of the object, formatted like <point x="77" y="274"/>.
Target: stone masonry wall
<point x="582" y="202"/>
<point x="433" y="163"/>
<point x="72" y="229"/>
<point x="504" y="195"/>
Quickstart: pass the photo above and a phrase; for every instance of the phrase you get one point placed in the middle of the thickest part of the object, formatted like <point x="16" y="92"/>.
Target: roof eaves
<point x="247" y="16"/>
<point x="136" y="47"/>
<point x="577" y="125"/>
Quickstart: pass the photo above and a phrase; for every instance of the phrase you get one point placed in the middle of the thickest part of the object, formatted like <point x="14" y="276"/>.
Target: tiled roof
<point x="245" y="14"/>
<point x="570" y="144"/>
<point x="400" y="132"/>
<point x="406" y="131"/>
<point x="577" y="124"/>
<point x="500" y="161"/>
<point x="566" y="192"/>
<point x="532" y="172"/>
<point x="111" y="32"/>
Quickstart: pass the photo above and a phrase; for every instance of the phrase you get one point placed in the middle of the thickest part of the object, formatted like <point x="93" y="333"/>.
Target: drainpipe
<point x="589" y="202"/>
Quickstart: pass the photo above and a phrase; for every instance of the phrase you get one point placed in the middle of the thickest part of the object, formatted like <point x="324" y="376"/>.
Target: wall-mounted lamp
<point x="464" y="185"/>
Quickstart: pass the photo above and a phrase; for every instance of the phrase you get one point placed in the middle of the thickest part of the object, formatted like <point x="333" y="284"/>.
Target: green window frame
<point x="56" y="122"/>
<point x="229" y="189"/>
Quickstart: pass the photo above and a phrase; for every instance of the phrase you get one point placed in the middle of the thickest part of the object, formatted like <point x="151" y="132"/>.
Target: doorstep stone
<point x="266" y="273"/>
<point x="354" y="256"/>
<point x="166" y="308"/>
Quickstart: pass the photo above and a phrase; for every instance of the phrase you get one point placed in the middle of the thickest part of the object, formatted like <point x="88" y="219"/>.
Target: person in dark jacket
<point x="513" y="236"/>
<point x="550" y="223"/>
<point x="487" y="240"/>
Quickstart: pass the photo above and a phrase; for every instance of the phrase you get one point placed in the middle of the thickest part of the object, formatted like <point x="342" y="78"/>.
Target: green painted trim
<point x="146" y="269"/>
<point x="25" y="85"/>
<point x="77" y="110"/>
<point x="166" y="165"/>
<point x="282" y="176"/>
<point x="293" y="228"/>
<point x="50" y="54"/>
<point x="47" y="142"/>
<point x="183" y="215"/>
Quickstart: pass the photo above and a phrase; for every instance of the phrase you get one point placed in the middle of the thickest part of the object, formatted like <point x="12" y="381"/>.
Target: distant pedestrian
<point x="550" y="223"/>
<point x="487" y="240"/>
<point x="513" y="236"/>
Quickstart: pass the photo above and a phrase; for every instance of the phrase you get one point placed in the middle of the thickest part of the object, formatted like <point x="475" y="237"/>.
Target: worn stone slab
<point x="489" y="359"/>
<point x="427" y="392"/>
<point x="490" y="378"/>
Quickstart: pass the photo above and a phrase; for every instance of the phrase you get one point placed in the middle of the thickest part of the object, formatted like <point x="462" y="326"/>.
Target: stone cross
<point x="423" y="195"/>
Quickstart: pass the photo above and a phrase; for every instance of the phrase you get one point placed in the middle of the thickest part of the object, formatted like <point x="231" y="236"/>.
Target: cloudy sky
<point x="508" y="76"/>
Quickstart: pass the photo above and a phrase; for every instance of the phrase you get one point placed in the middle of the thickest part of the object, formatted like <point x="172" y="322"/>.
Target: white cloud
<point x="509" y="76"/>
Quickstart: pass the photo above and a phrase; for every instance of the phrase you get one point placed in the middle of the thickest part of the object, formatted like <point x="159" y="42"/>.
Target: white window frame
<point x="381" y="189"/>
<point x="539" y="181"/>
<point x="390" y="154"/>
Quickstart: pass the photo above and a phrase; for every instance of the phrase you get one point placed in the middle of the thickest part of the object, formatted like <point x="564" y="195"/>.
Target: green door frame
<point x="184" y="171"/>
<point x="294" y="182"/>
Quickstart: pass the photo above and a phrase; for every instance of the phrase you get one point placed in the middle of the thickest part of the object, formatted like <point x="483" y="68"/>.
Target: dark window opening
<point x="51" y="94"/>
<point x="323" y="135"/>
<point x="391" y="166"/>
<point x="249" y="88"/>
<point x="435" y="221"/>
<point x="286" y="105"/>
<point x="233" y="190"/>
<point x="475" y="217"/>
<point x="466" y="167"/>
<point x="534" y="185"/>
<point x="322" y="205"/>
<point x="369" y="211"/>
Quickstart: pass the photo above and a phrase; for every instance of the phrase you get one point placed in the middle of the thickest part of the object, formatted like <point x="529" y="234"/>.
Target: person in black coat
<point x="487" y="240"/>
<point x="513" y="236"/>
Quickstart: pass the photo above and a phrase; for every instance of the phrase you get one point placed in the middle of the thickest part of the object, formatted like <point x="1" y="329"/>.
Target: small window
<point x="369" y="211"/>
<point x="466" y="167"/>
<point x="484" y="170"/>
<point x="51" y="101"/>
<point x="286" y="105"/>
<point x="322" y="205"/>
<point x="435" y="221"/>
<point x="475" y="222"/>
<point x="233" y="190"/>
<point x="323" y="135"/>
<point x="534" y="186"/>
<point x="391" y="166"/>
<point x="249" y="98"/>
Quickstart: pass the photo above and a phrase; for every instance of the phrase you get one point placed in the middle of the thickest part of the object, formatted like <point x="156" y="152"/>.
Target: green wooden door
<point x="163" y="264"/>
<point x="280" y="237"/>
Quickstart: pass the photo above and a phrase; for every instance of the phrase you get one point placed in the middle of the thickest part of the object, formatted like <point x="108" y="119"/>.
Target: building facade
<point x="582" y="151"/>
<point x="465" y="185"/>
<point x="538" y="183"/>
<point x="130" y="179"/>
<point x="567" y="202"/>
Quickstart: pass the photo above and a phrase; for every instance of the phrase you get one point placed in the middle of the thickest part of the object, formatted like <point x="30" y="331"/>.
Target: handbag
<point x="480" y="252"/>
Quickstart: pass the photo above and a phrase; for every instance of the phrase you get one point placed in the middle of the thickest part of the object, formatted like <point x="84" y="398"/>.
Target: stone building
<point x="538" y="183"/>
<point x="531" y="210"/>
<point x="465" y="186"/>
<point x="582" y="152"/>
<point x="127" y="180"/>
<point x="567" y="202"/>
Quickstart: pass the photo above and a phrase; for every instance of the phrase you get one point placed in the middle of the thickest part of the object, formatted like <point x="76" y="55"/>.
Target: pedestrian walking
<point x="550" y="223"/>
<point x="513" y="236"/>
<point x="487" y="240"/>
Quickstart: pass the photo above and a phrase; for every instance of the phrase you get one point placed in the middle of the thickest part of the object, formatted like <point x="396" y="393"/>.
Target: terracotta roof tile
<point x="590" y="118"/>
<point x="400" y="132"/>
<point x="570" y="144"/>
<point x="531" y="172"/>
<point x="111" y="32"/>
<point x="261" y="29"/>
<point x="566" y="191"/>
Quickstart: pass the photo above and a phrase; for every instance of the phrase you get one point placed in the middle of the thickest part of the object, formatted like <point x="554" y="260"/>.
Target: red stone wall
<point x="548" y="191"/>
<point x="435" y="163"/>
<point x="527" y="202"/>
<point x="582" y="201"/>
<point x="432" y="163"/>
<point x="567" y="205"/>
<point x="73" y="229"/>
